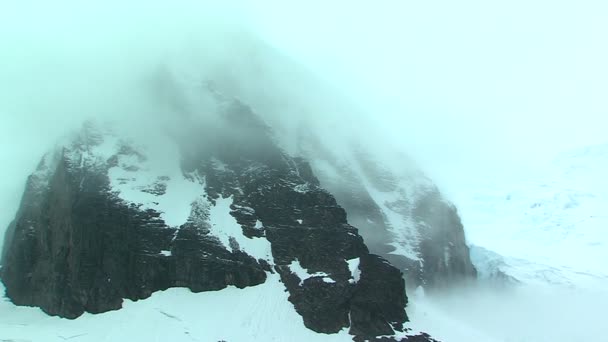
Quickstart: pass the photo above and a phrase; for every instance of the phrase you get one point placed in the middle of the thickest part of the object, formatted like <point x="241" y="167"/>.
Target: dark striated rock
<point x="376" y="296"/>
<point x="78" y="246"/>
<point x="414" y="338"/>
<point x="303" y="223"/>
<point x="400" y="213"/>
<point x="442" y="246"/>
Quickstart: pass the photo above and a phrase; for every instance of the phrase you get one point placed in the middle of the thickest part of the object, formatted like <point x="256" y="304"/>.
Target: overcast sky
<point x="464" y="82"/>
<point x="469" y="88"/>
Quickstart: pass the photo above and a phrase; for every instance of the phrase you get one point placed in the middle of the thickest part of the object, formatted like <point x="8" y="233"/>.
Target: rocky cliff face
<point x="399" y="212"/>
<point x="104" y="218"/>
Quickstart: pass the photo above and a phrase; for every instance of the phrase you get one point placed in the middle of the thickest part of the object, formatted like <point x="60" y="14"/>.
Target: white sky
<point x="464" y="85"/>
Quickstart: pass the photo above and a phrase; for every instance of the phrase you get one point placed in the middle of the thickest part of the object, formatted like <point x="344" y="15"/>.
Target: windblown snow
<point x="395" y="211"/>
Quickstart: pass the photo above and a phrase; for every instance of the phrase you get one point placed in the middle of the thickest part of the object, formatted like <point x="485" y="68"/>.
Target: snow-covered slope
<point x="260" y="313"/>
<point x="253" y="314"/>
<point x="550" y="227"/>
<point x="539" y="244"/>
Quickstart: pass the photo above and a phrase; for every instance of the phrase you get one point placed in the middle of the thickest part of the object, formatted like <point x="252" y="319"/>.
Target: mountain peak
<point x="127" y="219"/>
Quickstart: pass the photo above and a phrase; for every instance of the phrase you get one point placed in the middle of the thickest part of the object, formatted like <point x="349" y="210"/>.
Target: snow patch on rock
<point x="225" y="227"/>
<point x="151" y="177"/>
<point x="302" y="188"/>
<point x="303" y="273"/>
<point x="353" y="267"/>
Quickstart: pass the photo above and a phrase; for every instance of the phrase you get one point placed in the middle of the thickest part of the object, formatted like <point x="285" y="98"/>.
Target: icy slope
<point x="260" y="313"/>
<point x="539" y="245"/>
<point x="550" y="227"/>
<point x="525" y="313"/>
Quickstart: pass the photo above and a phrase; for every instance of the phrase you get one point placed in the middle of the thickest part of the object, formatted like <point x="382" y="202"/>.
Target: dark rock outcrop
<point x="75" y="246"/>
<point x="337" y="134"/>
<point x="399" y="212"/>
<point x="411" y="338"/>
<point x="303" y="223"/>
<point x="79" y="245"/>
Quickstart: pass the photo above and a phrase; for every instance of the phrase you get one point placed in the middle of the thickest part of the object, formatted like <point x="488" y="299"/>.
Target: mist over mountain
<point x="461" y="145"/>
